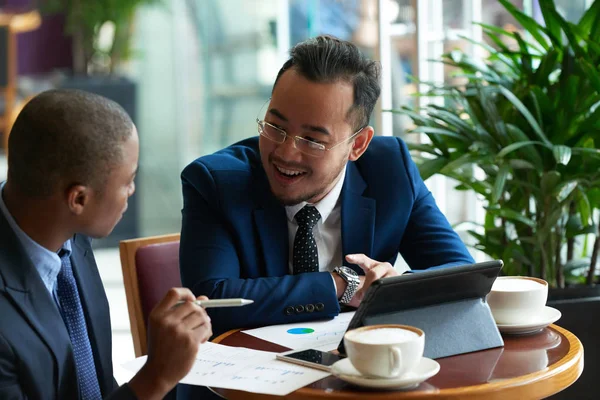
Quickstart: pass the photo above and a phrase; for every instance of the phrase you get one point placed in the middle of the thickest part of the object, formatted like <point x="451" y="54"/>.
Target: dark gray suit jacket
<point x="36" y="358"/>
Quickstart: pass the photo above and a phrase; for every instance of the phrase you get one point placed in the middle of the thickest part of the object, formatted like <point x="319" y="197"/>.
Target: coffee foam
<point x="515" y="285"/>
<point x="384" y="336"/>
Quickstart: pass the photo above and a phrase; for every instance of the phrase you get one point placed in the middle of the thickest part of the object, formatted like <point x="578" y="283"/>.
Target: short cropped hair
<point x="327" y="59"/>
<point x="63" y="138"/>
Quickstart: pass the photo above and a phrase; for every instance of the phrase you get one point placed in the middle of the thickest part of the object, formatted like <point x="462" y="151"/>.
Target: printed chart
<point x="320" y="335"/>
<point x="243" y="369"/>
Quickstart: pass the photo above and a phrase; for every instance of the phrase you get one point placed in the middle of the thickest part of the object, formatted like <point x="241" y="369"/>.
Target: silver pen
<point x="220" y="303"/>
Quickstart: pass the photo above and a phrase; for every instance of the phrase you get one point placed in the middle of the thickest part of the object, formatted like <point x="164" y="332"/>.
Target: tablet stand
<point x="450" y="328"/>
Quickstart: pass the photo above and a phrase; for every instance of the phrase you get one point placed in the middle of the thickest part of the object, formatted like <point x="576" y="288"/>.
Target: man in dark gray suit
<point x="72" y="160"/>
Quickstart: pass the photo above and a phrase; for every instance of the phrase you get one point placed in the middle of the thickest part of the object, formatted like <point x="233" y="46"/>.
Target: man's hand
<point x="373" y="270"/>
<point x="175" y="333"/>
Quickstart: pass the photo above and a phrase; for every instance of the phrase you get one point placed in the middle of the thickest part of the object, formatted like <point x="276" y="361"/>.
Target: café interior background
<point x="202" y="69"/>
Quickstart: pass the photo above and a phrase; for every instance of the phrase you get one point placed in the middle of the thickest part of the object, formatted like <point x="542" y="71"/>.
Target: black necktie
<point x="306" y="256"/>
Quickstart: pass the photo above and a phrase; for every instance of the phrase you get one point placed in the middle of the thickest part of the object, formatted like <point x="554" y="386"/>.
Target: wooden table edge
<point x="222" y="336"/>
<point x="536" y="385"/>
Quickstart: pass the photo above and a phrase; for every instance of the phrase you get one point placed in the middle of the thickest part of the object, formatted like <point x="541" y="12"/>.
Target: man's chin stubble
<point x="288" y="202"/>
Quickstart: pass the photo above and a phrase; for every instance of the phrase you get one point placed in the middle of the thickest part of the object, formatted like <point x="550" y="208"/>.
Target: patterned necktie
<point x="72" y="313"/>
<point x="306" y="256"/>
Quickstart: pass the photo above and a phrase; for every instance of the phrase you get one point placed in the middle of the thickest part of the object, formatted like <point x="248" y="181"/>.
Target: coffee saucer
<point x="427" y="368"/>
<point x="537" y="323"/>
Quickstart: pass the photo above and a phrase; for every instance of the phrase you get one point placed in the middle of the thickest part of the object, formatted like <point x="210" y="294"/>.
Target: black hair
<point x="327" y="59"/>
<point x="65" y="137"/>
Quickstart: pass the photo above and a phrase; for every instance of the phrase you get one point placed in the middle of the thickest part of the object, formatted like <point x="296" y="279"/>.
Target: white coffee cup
<point x="516" y="299"/>
<point x="385" y="351"/>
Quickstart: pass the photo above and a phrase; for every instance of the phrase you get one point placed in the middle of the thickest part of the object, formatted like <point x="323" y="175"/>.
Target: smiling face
<point x="313" y="111"/>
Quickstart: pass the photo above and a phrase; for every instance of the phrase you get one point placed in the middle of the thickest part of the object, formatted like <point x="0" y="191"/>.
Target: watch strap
<point x="352" y="280"/>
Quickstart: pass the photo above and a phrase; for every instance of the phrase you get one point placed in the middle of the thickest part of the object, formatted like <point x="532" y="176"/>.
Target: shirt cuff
<point x="334" y="285"/>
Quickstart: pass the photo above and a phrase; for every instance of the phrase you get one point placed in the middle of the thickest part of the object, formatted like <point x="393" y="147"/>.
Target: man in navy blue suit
<point x="308" y="214"/>
<point x="72" y="160"/>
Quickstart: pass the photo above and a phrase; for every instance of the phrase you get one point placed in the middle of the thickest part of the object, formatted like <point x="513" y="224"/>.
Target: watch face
<point x="348" y="271"/>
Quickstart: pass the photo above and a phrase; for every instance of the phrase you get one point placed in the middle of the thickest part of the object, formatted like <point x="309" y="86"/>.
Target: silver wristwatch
<point x="352" y="279"/>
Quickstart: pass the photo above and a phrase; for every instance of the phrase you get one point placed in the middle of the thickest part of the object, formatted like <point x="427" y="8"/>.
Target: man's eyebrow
<point x="135" y="172"/>
<point x="313" y="128"/>
<point x="279" y="115"/>
<point x="316" y="129"/>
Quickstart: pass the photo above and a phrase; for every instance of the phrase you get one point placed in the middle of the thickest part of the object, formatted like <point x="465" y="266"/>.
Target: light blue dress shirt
<point x="46" y="262"/>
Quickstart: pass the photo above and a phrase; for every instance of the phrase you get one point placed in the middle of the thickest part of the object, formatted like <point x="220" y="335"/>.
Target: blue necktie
<point x="72" y="313"/>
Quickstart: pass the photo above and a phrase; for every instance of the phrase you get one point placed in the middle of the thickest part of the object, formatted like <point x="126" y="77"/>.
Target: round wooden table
<point x="527" y="367"/>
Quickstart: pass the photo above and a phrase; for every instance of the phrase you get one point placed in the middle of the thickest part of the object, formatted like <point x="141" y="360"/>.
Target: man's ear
<point x="78" y="196"/>
<point x="361" y="142"/>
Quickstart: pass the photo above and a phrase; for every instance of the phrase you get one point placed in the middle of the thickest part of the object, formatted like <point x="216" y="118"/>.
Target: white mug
<point x="385" y="351"/>
<point x="516" y="299"/>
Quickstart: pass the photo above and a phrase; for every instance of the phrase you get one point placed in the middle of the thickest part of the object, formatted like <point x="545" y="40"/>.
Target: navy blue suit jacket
<point x="234" y="238"/>
<point x="36" y="357"/>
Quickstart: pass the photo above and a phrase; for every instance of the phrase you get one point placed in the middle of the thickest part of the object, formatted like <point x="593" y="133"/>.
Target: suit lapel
<point x="29" y="294"/>
<point x="358" y="216"/>
<point x="271" y="224"/>
<point x="95" y="307"/>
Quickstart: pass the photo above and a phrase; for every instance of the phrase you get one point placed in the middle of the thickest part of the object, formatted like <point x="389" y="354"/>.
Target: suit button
<point x="310" y="307"/>
<point x="319" y="306"/>
<point x="289" y="310"/>
<point x="299" y="309"/>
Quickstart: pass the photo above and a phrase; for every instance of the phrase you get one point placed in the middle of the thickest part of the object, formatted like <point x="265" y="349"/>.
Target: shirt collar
<point x="46" y="262"/>
<point x="325" y="205"/>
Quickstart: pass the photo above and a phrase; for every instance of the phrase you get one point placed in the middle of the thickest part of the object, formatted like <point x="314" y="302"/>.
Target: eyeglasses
<point x="306" y="146"/>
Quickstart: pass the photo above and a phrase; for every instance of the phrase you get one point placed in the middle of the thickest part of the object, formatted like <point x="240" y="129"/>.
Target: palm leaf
<point x="590" y="22"/>
<point x="431" y="167"/>
<point x="499" y="184"/>
<point x="531" y="25"/>
<point x="552" y="26"/>
<point x="439" y="131"/>
<point x="515" y="146"/>
<point x="525" y="112"/>
<point x="562" y="154"/>
<point x="513" y="215"/>
<point x="566" y="27"/>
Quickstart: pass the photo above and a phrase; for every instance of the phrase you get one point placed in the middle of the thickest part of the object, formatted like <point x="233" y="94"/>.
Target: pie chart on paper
<point x="324" y="335"/>
<point x="300" y="331"/>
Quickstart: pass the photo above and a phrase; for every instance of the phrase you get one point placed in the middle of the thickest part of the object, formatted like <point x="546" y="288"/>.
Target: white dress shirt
<point x="327" y="232"/>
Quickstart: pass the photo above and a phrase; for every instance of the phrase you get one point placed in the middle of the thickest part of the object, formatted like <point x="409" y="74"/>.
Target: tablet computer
<point x="448" y="304"/>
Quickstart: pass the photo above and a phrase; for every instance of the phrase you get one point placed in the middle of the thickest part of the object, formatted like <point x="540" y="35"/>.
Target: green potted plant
<point x="101" y="31"/>
<point x="523" y="133"/>
<point x="529" y="120"/>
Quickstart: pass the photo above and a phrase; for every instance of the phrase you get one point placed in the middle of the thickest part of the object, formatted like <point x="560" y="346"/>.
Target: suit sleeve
<point x="210" y="266"/>
<point x="429" y="240"/>
<point x="10" y="388"/>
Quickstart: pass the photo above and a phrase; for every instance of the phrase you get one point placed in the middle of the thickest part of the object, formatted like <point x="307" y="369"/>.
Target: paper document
<point x="243" y="369"/>
<point x="320" y="335"/>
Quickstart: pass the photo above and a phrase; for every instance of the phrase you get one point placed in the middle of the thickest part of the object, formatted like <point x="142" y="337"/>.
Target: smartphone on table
<point x="310" y="358"/>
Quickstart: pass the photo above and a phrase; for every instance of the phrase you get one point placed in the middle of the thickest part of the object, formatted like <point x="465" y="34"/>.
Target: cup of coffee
<point x="385" y="351"/>
<point x="516" y="299"/>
